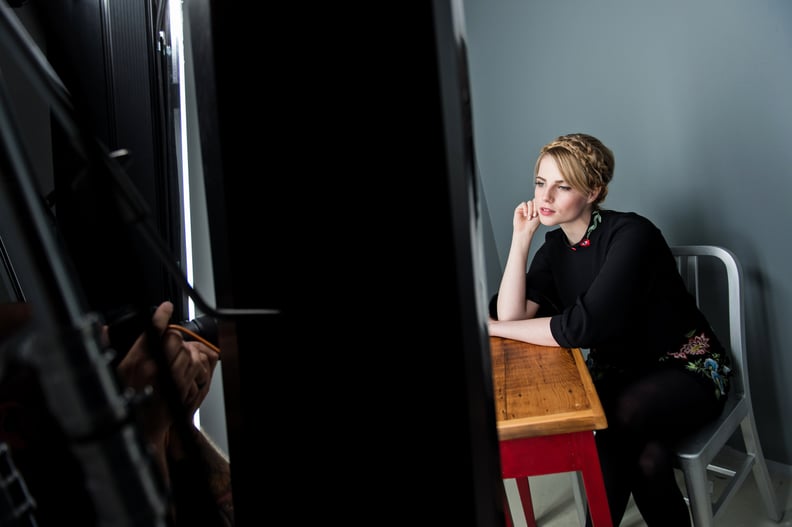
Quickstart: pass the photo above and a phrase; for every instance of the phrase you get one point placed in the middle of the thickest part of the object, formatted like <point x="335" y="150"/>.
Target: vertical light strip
<point x="177" y="54"/>
<point x="177" y="50"/>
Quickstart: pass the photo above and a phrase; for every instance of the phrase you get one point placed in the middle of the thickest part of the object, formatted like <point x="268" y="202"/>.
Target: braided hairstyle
<point x="586" y="163"/>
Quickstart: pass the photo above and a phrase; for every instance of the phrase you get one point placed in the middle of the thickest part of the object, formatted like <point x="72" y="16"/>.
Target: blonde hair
<point x="586" y="163"/>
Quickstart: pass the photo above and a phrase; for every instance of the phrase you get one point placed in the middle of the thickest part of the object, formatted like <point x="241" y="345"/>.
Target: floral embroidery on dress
<point x="696" y="355"/>
<point x="696" y="345"/>
<point x="596" y="219"/>
<point x="702" y="360"/>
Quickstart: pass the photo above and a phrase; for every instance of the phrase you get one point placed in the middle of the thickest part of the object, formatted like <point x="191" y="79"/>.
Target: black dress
<point x="618" y="293"/>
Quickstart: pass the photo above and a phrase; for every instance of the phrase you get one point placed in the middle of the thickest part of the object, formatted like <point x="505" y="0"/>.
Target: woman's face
<point x="555" y="200"/>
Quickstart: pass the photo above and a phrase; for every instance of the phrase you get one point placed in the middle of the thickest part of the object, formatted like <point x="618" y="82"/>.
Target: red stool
<point x="566" y="452"/>
<point x="547" y="411"/>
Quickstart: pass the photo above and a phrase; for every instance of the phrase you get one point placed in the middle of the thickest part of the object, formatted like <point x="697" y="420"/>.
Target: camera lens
<point x="124" y="329"/>
<point x="205" y="326"/>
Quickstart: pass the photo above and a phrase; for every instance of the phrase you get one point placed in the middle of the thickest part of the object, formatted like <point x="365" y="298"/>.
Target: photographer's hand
<point x="192" y="365"/>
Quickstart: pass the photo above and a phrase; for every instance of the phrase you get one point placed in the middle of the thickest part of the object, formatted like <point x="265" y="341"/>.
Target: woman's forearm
<point x="534" y="330"/>
<point x="511" y="293"/>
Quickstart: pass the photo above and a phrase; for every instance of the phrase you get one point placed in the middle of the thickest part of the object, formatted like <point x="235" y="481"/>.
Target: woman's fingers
<point x="527" y="210"/>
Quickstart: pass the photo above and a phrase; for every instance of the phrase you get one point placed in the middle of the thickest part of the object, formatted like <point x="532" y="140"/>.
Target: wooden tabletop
<point x="541" y="390"/>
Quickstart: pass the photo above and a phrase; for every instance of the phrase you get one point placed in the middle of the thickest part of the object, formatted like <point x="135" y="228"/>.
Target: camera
<point x="123" y="330"/>
<point x="204" y="326"/>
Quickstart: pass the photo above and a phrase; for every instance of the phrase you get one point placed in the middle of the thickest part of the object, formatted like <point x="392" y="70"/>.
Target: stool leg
<point x="524" y="488"/>
<point x="580" y="498"/>
<point x="595" y="487"/>
<point x="506" y="509"/>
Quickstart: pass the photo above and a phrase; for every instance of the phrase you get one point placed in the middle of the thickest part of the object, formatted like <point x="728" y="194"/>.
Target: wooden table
<point x="547" y="410"/>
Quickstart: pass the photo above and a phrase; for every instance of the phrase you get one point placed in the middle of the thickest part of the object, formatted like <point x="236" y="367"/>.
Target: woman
<point x="607" y="281"/>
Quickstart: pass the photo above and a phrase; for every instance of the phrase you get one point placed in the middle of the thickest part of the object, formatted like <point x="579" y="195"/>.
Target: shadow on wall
<point x="492" y="263"/>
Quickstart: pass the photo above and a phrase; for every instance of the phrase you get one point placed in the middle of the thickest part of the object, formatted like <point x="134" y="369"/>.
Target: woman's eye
<point x="538" y="183"/>
<point x="566" y="189"/>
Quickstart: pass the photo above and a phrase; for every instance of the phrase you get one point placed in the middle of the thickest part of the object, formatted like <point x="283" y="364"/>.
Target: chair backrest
<point x="709" y="282"/>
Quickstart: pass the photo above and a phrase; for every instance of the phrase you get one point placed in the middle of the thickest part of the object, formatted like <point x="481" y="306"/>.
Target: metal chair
<point x="696" y="456"/>
<point x="708" y="268"/>
<point x="704" y="269"/>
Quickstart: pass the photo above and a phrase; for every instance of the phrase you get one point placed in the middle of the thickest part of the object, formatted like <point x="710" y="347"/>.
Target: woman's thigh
<point x="666" y="404"/>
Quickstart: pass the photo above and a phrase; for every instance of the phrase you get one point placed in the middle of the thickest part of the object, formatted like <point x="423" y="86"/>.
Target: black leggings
<point x="646" y="417"/>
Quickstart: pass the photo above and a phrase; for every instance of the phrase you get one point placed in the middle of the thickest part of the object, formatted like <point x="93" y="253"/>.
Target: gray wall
<point x="694" y="98"/>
